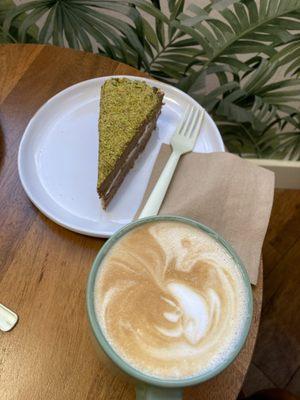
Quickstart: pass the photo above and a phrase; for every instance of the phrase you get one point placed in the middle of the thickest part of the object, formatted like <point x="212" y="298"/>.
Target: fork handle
<point x="8" y="318"/>
<point x="157" y="195"/>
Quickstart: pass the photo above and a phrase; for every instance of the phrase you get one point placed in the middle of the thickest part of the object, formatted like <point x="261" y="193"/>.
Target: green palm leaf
<point x="76" y="22"/>
<point x="246" y="28"/>
<point x="11" y="35"/>
<point x="169" y="55"/>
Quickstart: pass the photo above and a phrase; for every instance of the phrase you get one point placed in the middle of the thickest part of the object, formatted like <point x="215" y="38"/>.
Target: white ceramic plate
<point x="59" y="150"/>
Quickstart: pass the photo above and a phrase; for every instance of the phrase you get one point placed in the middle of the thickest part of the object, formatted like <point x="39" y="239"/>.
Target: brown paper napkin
<point x="230" y="195"/>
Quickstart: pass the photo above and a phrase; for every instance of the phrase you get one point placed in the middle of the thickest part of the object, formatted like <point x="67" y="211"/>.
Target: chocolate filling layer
<point x="128" y="163"/>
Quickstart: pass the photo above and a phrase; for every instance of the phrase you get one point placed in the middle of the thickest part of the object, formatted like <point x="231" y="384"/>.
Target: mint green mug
<point x="149" y="387"/>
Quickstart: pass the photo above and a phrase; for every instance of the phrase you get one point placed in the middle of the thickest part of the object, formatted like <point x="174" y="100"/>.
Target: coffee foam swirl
<point x="170" y="300"/>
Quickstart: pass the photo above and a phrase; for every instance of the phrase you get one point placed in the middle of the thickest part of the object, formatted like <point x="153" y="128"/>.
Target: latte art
<point x="170" y="300"/>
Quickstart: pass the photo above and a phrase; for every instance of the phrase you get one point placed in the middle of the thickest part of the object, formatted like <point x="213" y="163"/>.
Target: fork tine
<point x="197" y="125"/>
<point x="184" y="119"/>
<point x="192" y="122"/>
<point x="187" y="121"/>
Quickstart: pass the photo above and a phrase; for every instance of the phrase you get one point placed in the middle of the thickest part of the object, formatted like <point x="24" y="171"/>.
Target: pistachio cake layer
<point x="128" y="113"/>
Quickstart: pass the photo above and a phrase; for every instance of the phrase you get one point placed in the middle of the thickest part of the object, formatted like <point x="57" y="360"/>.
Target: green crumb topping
<point x="125" y="105"/>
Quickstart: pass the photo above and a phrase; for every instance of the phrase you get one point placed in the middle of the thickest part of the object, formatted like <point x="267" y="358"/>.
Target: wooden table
<point x="44" y="267"/>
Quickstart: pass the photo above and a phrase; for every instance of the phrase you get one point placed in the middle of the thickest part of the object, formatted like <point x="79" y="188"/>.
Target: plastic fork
<point x="8" y="318"/>
<point x="183" y="141"/>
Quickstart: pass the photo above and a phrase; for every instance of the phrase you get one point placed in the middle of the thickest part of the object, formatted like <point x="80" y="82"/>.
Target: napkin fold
<point x="228" y="194"/>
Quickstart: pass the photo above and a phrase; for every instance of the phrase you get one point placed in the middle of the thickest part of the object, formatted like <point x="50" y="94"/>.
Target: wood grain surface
<point x="44" y="267"/>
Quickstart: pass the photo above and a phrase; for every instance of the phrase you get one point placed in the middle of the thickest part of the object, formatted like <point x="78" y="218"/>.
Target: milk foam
<point x="170" y="300"/>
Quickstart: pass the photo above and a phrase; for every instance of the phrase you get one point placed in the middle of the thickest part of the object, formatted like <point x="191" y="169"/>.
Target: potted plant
<point x="240" y="59"/>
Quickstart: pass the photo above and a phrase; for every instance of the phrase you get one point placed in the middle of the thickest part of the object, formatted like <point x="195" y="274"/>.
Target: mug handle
<point x="148" y="392"/>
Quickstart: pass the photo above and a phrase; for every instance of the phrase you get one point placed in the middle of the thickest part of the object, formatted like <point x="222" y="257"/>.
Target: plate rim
<point x="74" y="227"/>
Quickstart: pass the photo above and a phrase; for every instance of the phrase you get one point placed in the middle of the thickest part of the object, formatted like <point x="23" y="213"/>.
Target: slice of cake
<point x="128" y="113"/>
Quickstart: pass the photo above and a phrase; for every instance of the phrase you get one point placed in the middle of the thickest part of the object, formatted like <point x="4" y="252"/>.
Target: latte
<point x="170" y="300"/>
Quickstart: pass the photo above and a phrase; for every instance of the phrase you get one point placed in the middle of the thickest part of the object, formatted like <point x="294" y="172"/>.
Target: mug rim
<point x="106" y="346"/>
